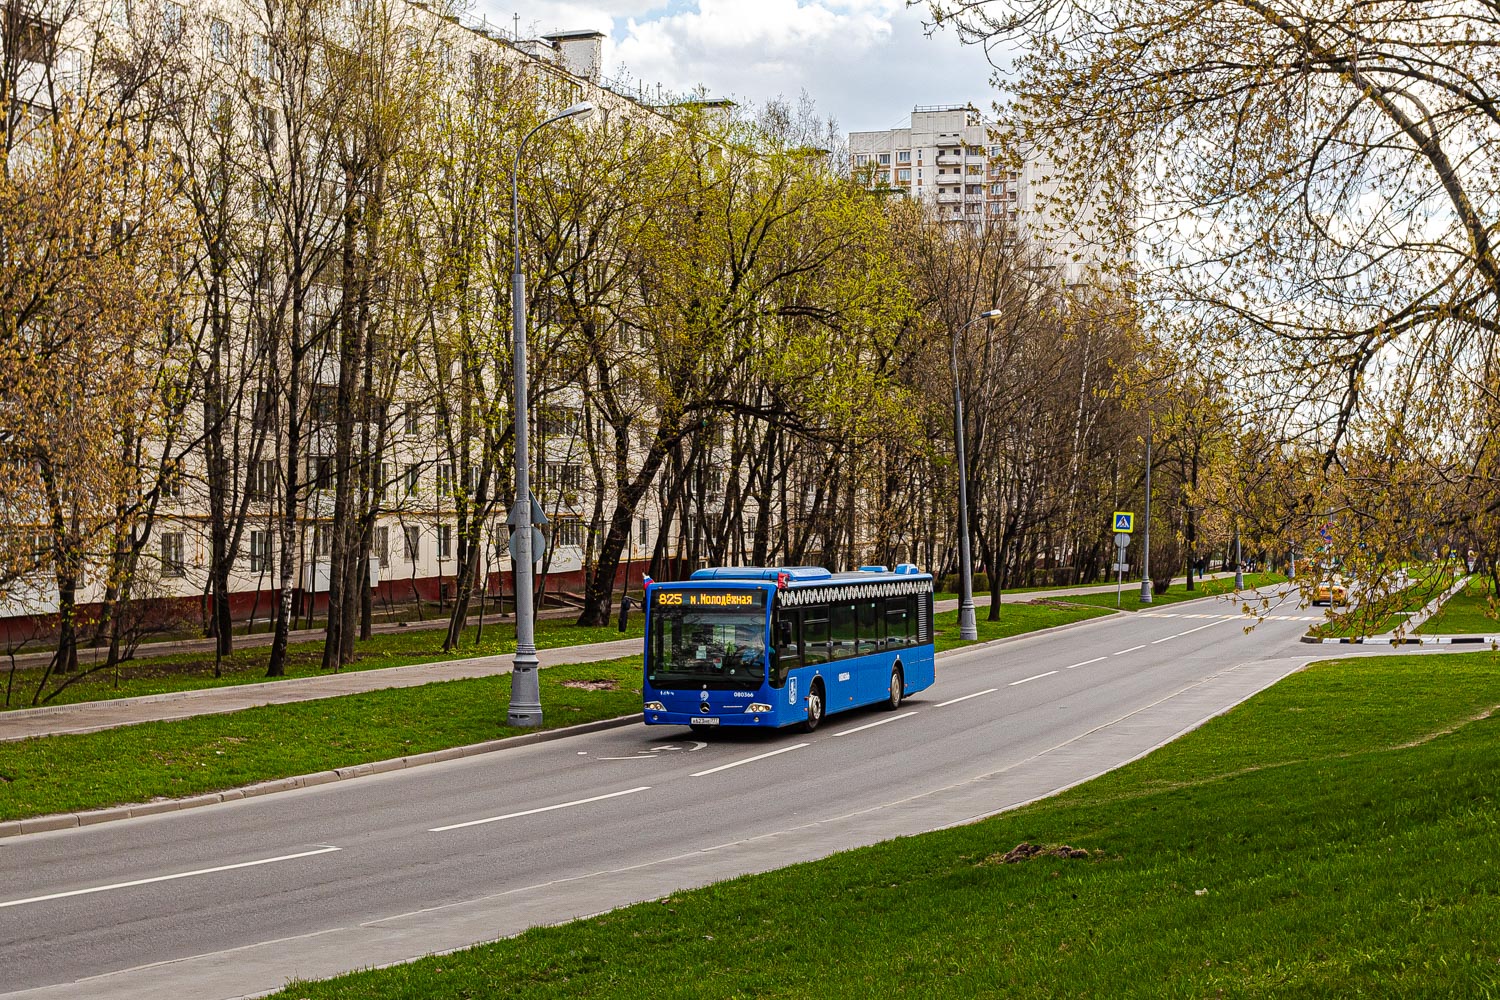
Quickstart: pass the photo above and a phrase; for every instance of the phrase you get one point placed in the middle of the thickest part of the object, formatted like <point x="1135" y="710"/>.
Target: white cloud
<point x="866" y="62"/>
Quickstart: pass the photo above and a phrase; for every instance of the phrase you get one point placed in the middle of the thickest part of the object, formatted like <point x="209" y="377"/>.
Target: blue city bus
<point x="754" y="646"/>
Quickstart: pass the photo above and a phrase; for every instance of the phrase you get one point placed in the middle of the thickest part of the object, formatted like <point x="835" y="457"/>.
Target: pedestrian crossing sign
<point x="1125" y="521"/>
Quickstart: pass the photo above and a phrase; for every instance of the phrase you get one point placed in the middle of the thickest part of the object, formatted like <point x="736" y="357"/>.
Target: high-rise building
<point x="950" y="159"/>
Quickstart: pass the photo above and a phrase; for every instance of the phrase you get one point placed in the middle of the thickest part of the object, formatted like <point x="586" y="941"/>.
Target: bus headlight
<point x="757" y="708"/>
<point x="653" y="706"/>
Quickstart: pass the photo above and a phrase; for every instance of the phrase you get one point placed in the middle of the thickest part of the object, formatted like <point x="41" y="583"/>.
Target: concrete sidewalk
<point x="93" y="716"/>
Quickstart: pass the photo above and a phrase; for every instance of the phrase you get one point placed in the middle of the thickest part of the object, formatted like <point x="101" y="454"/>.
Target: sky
<point x="863" y="62"/>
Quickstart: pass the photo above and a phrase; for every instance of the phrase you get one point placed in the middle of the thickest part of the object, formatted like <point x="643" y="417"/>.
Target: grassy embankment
<point x="1472" y="611"/>
<point x="1336" y="836"/>
<point x="214" y="752"/>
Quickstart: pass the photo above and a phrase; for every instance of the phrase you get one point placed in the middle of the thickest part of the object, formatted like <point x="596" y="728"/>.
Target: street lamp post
<point x="1146" y="542"/>
<point x="968" y="628"/>
<point x="525" y="687"/>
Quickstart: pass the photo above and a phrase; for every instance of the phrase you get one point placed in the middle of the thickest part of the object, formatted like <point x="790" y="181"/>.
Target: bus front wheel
<point x="898" y="689"/>
<point x="814" y="708"/>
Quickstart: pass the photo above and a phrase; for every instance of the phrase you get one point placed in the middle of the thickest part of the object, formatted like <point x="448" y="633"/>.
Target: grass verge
<point x="1130" y="599"/>
<point x="1335" y="836"/>
<point x="212" y="752"/>
<point x="1470" y="612"/>
<point x="190" y="671"/>
<point x="1014" y="620"/>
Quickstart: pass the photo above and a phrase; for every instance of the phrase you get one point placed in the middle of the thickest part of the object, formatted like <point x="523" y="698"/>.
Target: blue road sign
<point x="1125" y="521"/>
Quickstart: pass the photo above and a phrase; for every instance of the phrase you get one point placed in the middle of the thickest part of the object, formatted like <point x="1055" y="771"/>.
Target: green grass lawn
<point x="1470" y="612"/>
<point x="1130" y="599"/>
<point x="213" y="752"/>
<point x="187" y="671"/>
<point x="1336" y="836"/>
<point x="1014" y="620"/>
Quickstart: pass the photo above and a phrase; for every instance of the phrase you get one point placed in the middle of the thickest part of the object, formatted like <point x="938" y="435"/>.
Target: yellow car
<point x="1330" y="593"/>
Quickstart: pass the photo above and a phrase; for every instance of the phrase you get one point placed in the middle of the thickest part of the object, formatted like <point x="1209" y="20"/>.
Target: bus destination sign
<point x="750" y="598"/>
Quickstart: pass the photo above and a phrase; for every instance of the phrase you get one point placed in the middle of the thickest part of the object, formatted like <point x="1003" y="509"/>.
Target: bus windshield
<point x="708" y="647"/>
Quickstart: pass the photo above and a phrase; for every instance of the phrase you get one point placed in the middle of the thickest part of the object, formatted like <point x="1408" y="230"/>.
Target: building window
<point x="445" y="541"/>
<point x="411" y="538"/>
<point x="260" y="57"/>
<point x="322" y="543"/>
<point x="565" y="476"/>
<point x="219" y="113"/>
<point x="382" y="544"/>
<point x="320" y="472"/>
<point x="903" y="175"/>
<point x="172" y="564"/>
<point x="645" y="529"/>
<point x="568" y="531"/>
<point x="903" y="156"/>
<point x="860" y="159"/>
<point x="172" y="21"/>
<point x="221" y="40"/>
<point x="264" y="120"/>
<point x="262" y="483"/>
<point x="171" y="482"/>
<point x="413" y="421"/>
<point x="413" y="478"/>
<point x="885" y="159"/>
<point x="444" y="480"/>
<point x="260" y="551"/>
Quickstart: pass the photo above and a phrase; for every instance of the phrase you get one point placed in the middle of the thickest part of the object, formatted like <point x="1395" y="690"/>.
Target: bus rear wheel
<point x="898" y="689"/>
<point x="814" y="707"/>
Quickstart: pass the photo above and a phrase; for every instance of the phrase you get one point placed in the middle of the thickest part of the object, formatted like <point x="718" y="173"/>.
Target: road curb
<point x="1416" y="640"/>
<point x="68" y="821"/>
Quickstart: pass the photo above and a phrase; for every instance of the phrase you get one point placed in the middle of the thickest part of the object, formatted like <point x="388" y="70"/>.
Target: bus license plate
<point x="704" y="722"/>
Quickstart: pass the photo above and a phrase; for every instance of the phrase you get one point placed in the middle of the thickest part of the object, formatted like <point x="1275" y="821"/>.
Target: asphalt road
<point x="235" y="899"/>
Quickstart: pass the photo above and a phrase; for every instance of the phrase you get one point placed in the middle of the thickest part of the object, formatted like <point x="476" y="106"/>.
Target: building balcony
<point x="947" y="198"/>
<point x="950" y="160"/>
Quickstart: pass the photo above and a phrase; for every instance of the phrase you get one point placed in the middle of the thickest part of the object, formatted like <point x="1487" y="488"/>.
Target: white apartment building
<point x="948" y="159"/>
<point x="414" y="547"/>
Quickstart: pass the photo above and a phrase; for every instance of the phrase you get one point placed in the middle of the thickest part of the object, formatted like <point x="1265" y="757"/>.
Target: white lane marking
<point x="1084" y="663"/>
<point x="644" y="756"/>
<point x="1190" y="631"/>
<point x="1038" y="677"/>
<point x="541" y="809"/>
<point x="750" y="760"/>
<point x="1132" y="649"/>
<point x="872" y="725"/>
<point x="955" y="701"/>
<point x="167" y="878"/>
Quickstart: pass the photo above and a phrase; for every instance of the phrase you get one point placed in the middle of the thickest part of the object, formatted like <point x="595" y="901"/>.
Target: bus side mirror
<point x="784" y="634"/>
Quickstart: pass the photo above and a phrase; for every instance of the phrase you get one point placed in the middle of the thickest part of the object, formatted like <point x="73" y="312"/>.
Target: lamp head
<point x="581" y="108"/>
<point x="990" y="314"/>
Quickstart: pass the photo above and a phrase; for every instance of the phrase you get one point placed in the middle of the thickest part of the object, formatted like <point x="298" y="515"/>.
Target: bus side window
<point x="814" y="636"/>
<point x="896" y="622"/>
<point x="842" y="628"/>
<point x="785" y="635"/>
<point x="869" y="627"/>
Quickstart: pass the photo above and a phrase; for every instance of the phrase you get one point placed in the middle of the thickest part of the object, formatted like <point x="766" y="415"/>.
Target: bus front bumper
<point x="653" y="716"/>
